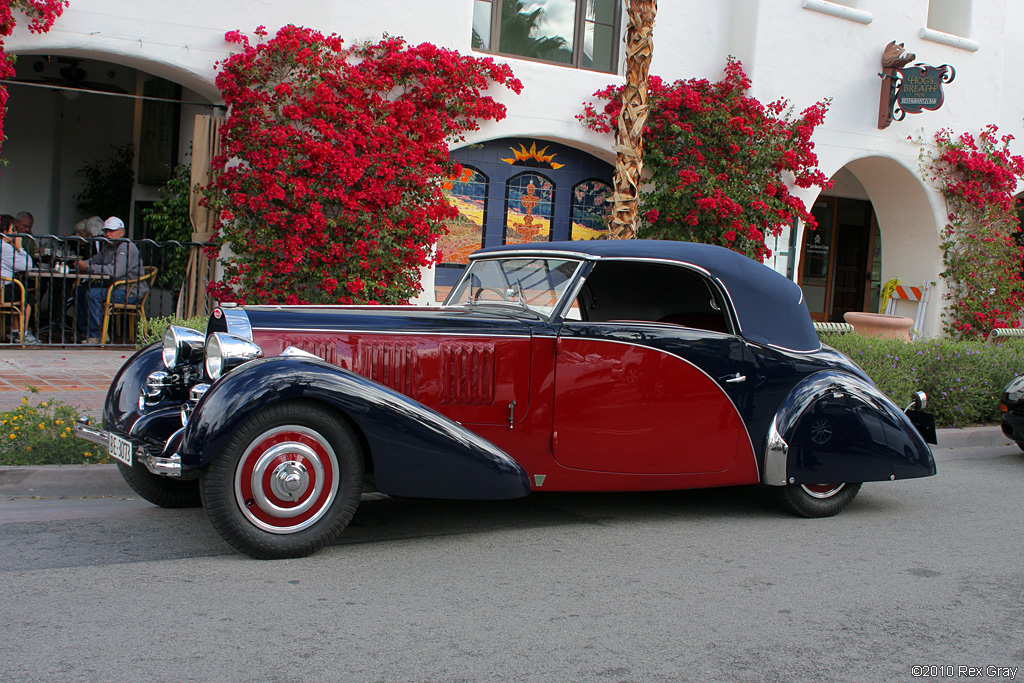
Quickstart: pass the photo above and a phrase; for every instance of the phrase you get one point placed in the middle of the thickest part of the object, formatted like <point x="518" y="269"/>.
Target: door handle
<point x="734" y="378"/>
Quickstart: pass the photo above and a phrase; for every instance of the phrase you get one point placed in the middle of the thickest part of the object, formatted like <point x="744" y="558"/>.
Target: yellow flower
<point x="13" y="435"/>
<point x="58" y="422"/>
<point x="63" y="436"/>
<point x="24" y="401"/>
<point x="42" y="426"/>
<point x="28" y="448"/>
<point x="43" y="404"/>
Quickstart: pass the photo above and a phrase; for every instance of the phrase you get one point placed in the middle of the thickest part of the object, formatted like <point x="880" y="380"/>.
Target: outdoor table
<point x="56" y="287"/>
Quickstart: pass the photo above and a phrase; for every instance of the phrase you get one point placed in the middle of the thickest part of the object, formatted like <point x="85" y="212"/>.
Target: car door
<point x="648" y="398"/>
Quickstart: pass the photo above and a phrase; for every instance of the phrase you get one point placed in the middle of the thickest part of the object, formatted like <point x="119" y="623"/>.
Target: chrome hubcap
<point x="287" y="479"/>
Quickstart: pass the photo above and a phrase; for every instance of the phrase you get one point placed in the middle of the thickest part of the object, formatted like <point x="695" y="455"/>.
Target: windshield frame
<point x="548" y="313"/>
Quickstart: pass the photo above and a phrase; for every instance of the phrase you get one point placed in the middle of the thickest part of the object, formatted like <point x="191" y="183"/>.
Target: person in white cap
<point x="117" y="260"/>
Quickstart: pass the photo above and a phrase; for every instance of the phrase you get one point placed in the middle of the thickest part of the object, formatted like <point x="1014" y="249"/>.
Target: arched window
<point x="591" y="204"/>
<point x="529" y="204"/>
<point x="465" y="231"/>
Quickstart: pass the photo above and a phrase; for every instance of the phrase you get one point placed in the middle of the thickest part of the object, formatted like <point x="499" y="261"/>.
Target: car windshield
<point x="534" y="284"/>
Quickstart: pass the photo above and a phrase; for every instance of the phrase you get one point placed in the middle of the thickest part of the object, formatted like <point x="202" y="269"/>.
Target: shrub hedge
<point x="964" y="380"/>
<point x="155" y="328"/>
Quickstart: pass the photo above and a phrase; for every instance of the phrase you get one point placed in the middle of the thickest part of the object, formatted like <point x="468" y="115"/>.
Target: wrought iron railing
<point x="54" y="285"/>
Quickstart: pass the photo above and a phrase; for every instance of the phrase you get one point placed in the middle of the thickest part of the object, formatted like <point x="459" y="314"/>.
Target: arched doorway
<point x="874" y="224"/>
<point x="70" y="115"/>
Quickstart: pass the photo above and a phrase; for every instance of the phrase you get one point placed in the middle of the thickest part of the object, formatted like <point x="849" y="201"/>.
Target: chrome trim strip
<point x="390" y="307"/>
<point x="776" y="458"/>
<point x="537" y="253"/>
<point x="527" y="333"/>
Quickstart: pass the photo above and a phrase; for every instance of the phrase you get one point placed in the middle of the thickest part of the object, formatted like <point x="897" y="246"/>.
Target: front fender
<point x="414" y="450"/>
<point x="834" y="427"/>
<point x="121" y="413"/>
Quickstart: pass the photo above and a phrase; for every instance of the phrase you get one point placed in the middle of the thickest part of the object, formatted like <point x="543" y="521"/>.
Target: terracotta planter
<point x="880" y="325"/>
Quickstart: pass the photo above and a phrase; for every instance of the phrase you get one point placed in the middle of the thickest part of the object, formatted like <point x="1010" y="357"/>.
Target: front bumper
<point x="157" y="464"/>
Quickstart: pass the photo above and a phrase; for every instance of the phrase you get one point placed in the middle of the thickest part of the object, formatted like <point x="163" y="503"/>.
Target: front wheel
<point x="158" y="490"/>
<point x="816" y="500"/>
<point x="287" y="483"/>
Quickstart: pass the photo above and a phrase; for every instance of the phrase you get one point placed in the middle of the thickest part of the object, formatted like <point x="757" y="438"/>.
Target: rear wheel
<point x="287" y="483"/>
<point x="158" y="490"/>
<point x="816" y="500"/>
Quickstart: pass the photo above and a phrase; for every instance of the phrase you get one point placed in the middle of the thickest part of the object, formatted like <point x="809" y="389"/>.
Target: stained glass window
<point x="529" y="203"/>
<point x="591" y="205"/>
<point x="465" y="235"/>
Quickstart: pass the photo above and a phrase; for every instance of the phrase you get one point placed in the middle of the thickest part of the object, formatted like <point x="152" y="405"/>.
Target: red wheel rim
<point x="822" y="490"/>
<point x="287" y="479"/>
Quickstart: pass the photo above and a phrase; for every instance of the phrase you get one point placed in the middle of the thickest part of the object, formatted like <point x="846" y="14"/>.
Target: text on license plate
<point x="120" y="449"/>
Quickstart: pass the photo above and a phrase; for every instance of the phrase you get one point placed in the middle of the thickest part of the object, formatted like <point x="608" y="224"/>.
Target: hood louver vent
<point x="467" y="372"/>
<point x="390" y="363"/>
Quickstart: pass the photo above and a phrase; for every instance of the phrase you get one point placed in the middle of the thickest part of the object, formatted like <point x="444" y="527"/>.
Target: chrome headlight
<point x="225" y="352"/>
<point x="182" y="345"/>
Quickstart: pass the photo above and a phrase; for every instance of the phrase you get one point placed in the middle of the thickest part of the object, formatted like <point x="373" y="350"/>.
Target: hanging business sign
<point x="909" y="89"/>
<point x="919" y="88"/>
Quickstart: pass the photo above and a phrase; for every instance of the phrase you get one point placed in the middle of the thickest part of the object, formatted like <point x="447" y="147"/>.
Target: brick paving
<point x="75" y="376"/>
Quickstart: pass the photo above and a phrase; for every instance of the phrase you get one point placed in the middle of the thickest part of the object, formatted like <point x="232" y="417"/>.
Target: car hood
<point x="483" y="321"/>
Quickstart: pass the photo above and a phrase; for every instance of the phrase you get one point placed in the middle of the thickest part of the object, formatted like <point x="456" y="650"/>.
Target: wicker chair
<point x="127" y="310"/>
<point x="13" y="307"/>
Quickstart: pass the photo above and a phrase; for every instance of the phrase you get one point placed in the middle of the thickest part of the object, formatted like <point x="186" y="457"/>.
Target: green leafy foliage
<point x="155" y="328"/>
<point x="978" y="177"/>
<point x="964" y="380"/>
<point x="167" y="220"/>
<point x="721" y="164"/>
<point x="108" y="185"/>
<point x="42" y="434"/>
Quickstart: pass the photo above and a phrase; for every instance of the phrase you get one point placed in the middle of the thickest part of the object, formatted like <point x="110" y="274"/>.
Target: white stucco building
<point x="880" y="220"/>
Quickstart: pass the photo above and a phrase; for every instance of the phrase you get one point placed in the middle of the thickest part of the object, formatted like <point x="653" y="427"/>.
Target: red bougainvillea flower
<point x="982" y="252"/>
<point x="720" y="161"/>
<point x="331" y="183"/>
<point x="40" y="14"/>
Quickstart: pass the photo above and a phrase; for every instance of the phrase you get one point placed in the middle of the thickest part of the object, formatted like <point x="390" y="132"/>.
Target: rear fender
<point x="414" y="450"/>
<point x="834" y="427"/>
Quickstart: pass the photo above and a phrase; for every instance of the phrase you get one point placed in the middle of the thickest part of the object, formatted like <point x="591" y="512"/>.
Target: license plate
<point x="120" y="449"/>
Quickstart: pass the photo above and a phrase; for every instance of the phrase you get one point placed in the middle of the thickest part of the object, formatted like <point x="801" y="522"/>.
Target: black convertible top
<point x="770" y="307"/>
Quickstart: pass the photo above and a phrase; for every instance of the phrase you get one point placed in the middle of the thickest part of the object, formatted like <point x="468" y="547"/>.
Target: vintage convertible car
<point x="573" y="366"/>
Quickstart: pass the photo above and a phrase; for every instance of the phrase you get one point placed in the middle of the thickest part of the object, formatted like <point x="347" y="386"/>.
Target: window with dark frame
<point x="579" y="33"/>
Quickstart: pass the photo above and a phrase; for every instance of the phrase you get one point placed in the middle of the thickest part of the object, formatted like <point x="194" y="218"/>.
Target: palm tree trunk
<point x="629" y="148"/>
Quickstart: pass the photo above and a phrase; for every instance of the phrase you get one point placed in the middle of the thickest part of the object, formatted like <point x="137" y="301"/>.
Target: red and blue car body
<point x="576" y="366"/>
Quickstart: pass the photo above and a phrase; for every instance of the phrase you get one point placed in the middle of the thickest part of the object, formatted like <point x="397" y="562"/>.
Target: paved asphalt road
<point x="685" y="586"/>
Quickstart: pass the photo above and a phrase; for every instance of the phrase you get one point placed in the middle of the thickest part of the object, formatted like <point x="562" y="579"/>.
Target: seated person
<point x="82" y="245"/>
<point x="14" y="258"/>
<point x="116" y="261"/>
